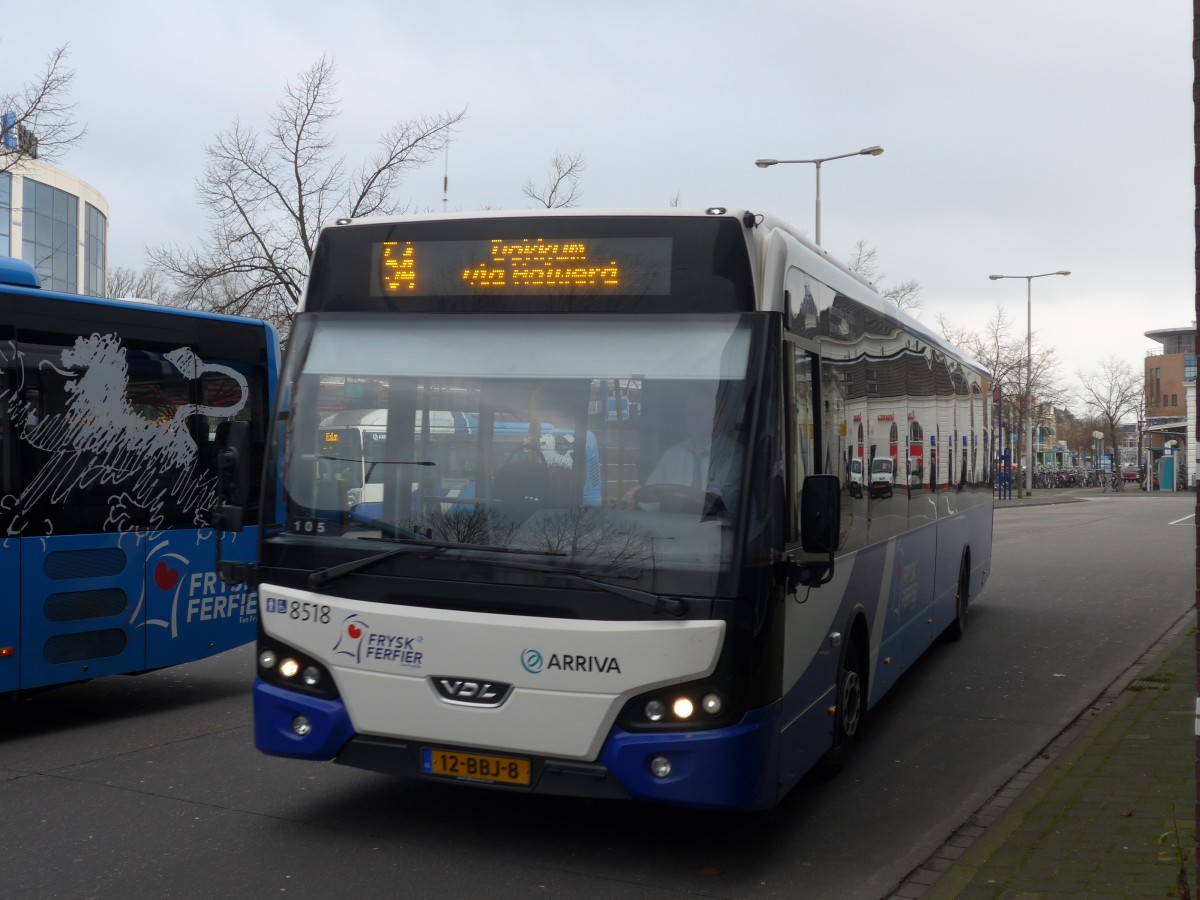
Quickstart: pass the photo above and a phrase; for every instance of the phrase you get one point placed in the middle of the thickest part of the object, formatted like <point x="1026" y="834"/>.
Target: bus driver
<point x="698" y="471"/>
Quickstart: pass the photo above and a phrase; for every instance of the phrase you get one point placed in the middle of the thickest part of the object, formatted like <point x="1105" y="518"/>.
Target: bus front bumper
<point x="730" y="768"/>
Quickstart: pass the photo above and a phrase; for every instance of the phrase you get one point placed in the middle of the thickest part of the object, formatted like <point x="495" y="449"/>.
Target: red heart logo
<point x="165" y="577"/>
<point x="354" y="631"/>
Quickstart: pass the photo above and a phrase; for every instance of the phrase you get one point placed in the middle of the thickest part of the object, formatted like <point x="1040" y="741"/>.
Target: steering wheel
<point x="522" y="454"/>
<point x="680" y="498"/>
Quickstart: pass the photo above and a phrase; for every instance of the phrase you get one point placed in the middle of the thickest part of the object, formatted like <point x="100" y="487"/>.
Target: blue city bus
<point x="118" y="419"/>
<point x="720" y="616"/>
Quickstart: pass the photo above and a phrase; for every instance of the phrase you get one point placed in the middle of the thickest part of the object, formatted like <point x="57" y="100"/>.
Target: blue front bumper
<point x="725" y="768"/>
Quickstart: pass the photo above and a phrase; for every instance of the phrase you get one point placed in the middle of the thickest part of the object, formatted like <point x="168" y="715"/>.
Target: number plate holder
<point x="481" y="767"/>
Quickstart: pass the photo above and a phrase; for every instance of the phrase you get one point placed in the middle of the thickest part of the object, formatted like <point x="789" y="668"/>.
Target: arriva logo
<point x="534" y="662"/>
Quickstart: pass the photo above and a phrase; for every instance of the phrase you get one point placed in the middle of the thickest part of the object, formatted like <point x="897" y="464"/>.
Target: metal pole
<point x="1029" y="386"/>
<point x="818" y="215"/>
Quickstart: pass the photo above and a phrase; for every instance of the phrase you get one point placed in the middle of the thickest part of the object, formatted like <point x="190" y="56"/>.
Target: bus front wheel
<point x="850" y="711"/>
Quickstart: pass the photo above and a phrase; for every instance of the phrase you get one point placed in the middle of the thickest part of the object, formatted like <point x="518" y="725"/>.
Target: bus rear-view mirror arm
<point x="233" y="486"/>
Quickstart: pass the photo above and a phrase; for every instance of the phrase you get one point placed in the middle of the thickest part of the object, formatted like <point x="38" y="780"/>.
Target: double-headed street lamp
<point x="1029" y="370"/>
<point x="866" y="151"/>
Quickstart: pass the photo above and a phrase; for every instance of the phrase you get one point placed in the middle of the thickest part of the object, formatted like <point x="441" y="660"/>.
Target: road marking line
<point x="1184" y="519"/>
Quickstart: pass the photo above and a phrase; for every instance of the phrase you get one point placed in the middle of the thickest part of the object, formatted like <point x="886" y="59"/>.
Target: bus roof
<point x="18" y="272"/>
<point x="760" y="226"/>
<point x="19" y="279"/>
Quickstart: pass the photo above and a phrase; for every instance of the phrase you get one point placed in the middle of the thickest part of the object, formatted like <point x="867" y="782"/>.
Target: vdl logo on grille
<point x="476" y="693"/>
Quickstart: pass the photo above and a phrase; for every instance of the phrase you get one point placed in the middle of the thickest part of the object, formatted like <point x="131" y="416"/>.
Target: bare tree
<point x="39" y="124"/>
<point x="1005" y="353"/>
<point x="561" y="189"/>
<point x="149" y="284"/>
<point x="1112" y="393"/>
<point x="906" y="295"/>
<point x="268" y="195"/>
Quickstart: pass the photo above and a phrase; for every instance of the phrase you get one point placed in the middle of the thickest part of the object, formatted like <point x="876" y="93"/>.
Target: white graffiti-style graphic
<point x="99" y="438"/>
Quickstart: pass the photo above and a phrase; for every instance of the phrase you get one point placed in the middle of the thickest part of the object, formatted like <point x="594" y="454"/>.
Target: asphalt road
<point x="150" y="786"/>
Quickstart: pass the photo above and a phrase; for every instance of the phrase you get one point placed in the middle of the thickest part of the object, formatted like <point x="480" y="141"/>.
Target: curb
<point x="955" y="864"/>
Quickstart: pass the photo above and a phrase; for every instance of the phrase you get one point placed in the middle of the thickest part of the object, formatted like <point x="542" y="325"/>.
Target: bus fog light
<point x="660" y="767"/>
<point x="683" y="708"/>
<point x="712" y="704"/>
<point x="288" y="668"/>
<point x="311" y="676"/>
<point x="655" y="710"/>
<point x="267" y="659"/>
<point x="301" y="726"/>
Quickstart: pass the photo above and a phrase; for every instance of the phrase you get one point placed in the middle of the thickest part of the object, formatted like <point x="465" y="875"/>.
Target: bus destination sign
<point x="510" y="266"/>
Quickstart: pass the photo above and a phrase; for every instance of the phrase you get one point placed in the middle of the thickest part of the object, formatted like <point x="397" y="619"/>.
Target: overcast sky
<point x="1020" y="138"/>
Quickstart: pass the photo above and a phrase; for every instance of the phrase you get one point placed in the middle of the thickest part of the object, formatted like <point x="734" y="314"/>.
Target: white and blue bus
<point x="694" y="613"/>
<point x="118" y="421"/>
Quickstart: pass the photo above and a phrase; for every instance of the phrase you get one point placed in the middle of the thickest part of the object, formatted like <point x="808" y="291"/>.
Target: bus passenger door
<point x="10" y="616"/>
<point x="82" y="610"/>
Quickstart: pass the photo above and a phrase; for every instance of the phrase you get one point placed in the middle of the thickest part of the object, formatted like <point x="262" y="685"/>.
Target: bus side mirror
<point x="820" y="514"/>
<point x="820" y="519"/>
<point x="233" y="475"/>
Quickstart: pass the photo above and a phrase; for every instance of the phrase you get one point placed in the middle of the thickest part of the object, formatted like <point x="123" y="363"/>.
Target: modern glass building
<point x="58" y="224"/>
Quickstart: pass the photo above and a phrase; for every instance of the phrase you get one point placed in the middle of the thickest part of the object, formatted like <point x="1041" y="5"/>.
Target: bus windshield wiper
<point x="319" y="577"/>
<point x="675" y="606"/>
<point x="411" y="546"/>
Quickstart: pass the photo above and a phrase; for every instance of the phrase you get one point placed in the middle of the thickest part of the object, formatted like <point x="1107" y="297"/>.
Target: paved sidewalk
<point x="1107" y="810"/>
<point x="1044" y="496"/>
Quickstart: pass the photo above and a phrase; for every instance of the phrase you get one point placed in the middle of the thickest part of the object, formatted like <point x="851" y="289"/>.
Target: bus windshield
<point x="609" y="444"/>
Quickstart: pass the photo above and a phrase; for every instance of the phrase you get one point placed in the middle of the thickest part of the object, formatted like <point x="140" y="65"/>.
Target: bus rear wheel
<point x="958" y="627"/>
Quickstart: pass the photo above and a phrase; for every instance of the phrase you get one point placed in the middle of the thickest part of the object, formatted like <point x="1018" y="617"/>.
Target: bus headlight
<point x="683" y="706"/>
<point x="287" y="667"/>
<point x="660" y="767"/>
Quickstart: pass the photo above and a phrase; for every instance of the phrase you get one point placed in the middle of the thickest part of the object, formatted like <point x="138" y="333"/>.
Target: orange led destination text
<point x="541" y="264"/>
<point x="399" y="267"/>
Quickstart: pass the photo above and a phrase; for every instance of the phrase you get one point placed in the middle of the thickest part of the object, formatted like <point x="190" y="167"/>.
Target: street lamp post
<point x="866" y="151"/>
<point x="1029" y="370"/>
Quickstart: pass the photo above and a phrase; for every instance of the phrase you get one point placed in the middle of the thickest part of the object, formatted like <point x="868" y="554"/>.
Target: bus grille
<point x="76" y="605"/>
<point x="65" y="648"/>
<point x="63" y="564"/>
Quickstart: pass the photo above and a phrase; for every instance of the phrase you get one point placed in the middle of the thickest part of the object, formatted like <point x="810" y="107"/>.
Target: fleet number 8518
<point x="303" y="611"/>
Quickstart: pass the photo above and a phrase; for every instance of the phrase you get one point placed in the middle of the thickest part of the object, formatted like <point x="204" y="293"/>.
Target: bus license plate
<point x="474" y="766"/>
